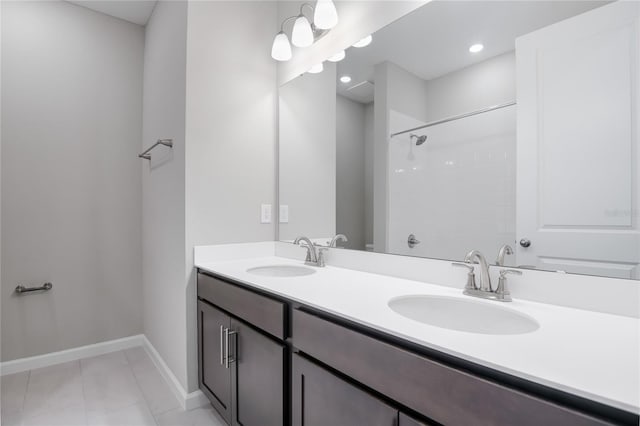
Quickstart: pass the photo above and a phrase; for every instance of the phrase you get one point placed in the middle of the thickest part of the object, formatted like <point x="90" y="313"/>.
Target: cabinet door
<point x="405" y="420"/>
<point x="321" y="398"/>
<point x="259" y="373"/>
<point x="215" y="379"/>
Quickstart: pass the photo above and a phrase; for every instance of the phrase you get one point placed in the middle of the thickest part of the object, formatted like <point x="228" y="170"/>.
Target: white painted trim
<point x="188" y="401"/>
<point x="73" y="354"/>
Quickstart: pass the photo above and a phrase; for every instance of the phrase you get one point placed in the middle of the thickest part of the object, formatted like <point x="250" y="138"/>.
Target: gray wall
<point x="350" y="171"/>
<point x="230" y="132"/>
<point x="369" y="142"/>
<point x="217" y="100"/>
<point x="163" y="183"/>
<point x="71" y="211"/>
<point x="307" y="148"/>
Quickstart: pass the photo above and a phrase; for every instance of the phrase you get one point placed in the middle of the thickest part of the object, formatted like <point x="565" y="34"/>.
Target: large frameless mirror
<point x="506" y="127"/>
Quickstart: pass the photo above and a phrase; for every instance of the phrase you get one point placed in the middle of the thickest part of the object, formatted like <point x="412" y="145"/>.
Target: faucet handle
<point x="471" y="276"/>
<point x="504" y="272"/>
<point x="320" y="263"/>
<point x="502" y="293"/>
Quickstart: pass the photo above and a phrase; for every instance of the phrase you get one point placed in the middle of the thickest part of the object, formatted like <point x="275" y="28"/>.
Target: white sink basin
<point x="281" y="271"/>
<point x="463" y="315"/>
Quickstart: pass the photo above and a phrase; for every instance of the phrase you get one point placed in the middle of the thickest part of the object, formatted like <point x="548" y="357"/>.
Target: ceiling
<point x="136" y="11"/>
<point x="434" y="40"/>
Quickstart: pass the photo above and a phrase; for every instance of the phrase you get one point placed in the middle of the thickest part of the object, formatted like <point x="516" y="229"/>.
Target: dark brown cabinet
<point x="242" y="367"/>
<point x="215" y="378"/>
<point x="266" y="361"/>
<point x="258" y="378"/>
<point x="321" y="398"/>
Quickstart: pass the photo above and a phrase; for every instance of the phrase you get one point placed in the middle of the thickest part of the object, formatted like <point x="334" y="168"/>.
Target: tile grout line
<point x="144" y="397"/>
<point x="84" y="397"/>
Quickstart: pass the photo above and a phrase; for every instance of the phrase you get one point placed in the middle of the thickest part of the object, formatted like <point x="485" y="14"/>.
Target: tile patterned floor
<point x="121" y="388"/>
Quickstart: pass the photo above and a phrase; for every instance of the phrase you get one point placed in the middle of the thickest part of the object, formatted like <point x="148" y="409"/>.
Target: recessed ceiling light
<point x="476" y="48"/>
<point x="317" y="68"/>
<point x="345" y="79"/>
<point x="338" y="56"/>
<point x="364" y="42"/>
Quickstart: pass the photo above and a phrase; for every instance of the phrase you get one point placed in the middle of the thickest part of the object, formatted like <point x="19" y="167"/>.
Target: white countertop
<point x="590" y="354"/>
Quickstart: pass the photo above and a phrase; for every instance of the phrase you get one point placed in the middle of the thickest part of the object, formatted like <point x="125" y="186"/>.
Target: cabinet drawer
<point x="261" y="311"/>
<point x="440" y="392"/>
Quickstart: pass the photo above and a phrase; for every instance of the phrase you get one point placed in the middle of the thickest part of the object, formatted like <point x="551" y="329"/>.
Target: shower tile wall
<point x="455" y="192"/>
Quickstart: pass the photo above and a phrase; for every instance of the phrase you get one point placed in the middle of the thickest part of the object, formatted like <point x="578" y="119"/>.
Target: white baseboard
<point x="188" y="401"/>
<point x="73" y="354"/>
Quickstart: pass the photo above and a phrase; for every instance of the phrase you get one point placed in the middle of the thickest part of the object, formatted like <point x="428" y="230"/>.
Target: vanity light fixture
<point x="338" y="56"/>
<point x="316" y="69"/>
<point x="304" y="31"/>
<point x="325" y="16"/>
<point x="281" y="49"/>
<point x="345" y="79"/>
<point x="302" y="34"/>
<point x="475" y="48"/>
<point x="364" y="42"/>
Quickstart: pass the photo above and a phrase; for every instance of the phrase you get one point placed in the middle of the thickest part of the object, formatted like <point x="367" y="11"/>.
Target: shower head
<point x="420" y="139"/>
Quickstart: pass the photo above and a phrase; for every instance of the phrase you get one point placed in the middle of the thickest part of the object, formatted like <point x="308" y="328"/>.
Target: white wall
<point x="490" y="82"/>
<point x="230" y="131"/>
<point x="163" y="183"/>
<point x="369" y="141"/>
<point x="357" y="19"/>
<point x="350" y="172"/>
<point x="71" y="211"/>
<point x="307" y="163"/>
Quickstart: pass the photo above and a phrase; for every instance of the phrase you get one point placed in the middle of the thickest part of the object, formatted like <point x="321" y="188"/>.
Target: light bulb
<point x="345" y="79"/>
<point x="302" y="35"/>
<point x="316" y="69"/>
<point x="338" y="56"/>
<point x="281" y="49"/>
<point x="325" y="16"/>
<point x="476" y="48"/>
<point x="364" y="42"/>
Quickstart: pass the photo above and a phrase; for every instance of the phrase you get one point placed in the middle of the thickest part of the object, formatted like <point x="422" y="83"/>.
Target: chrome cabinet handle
<point x="412" y="241"/>
<point x="222" y="345"/>
<point x="525" y="242"/>
<point x="227" y="358"/>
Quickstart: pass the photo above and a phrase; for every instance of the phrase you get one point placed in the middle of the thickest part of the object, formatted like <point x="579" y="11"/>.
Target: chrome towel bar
<point x="165" y="142"/>
<point x="22" y="289"/>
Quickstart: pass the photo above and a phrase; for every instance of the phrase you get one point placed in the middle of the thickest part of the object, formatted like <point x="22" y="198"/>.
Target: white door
<point x="578" y="185"/>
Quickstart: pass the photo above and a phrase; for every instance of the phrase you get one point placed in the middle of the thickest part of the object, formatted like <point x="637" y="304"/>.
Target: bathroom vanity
<point x="294" y="349"/>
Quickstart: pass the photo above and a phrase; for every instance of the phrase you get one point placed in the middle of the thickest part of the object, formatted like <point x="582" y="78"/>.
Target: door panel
<point x="259" y="377"/>
<point x="321" y="399"/>
<point x="405" y="420"/>
<point x="215" y="379"/>
<point x="578" y="187"/>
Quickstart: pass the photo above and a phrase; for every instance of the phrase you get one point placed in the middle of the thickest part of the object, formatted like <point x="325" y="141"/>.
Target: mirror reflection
<point x="505" y="127"/>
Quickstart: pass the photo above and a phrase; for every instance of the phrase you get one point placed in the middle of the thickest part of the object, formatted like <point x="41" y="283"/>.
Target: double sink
<point x="453" y="313"/>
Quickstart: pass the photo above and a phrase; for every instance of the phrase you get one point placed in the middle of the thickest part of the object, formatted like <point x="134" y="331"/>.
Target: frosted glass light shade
<point x="302" y="35"/>
<point x="316" y="69"/>
<point x="338" y="56"/>
<point x="364" y="42"/>
<point x="281" y="49"/>
<point x="325" y="16"/>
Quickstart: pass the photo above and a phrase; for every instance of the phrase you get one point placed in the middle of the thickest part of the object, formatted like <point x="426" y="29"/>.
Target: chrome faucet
<point x="334" y="240"/>
<point x="504" y="250"/>
<point x="474" y="256"/>
<point x="484" y="290"/>
<point x="313" y="258"/>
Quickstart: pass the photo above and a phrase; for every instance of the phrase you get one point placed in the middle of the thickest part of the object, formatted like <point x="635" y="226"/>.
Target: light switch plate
<point x="265" y="213"/>
<point x="284" y="213"/>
